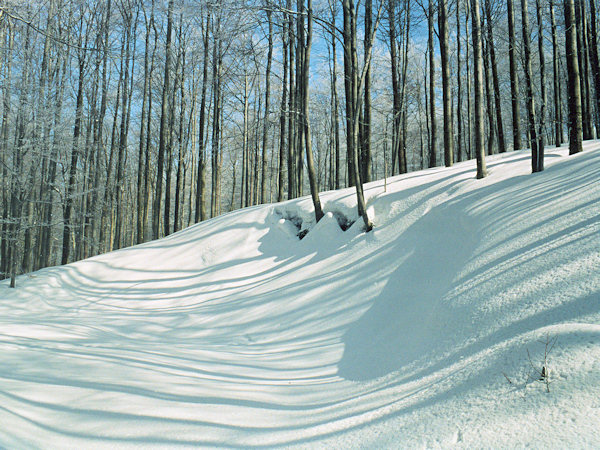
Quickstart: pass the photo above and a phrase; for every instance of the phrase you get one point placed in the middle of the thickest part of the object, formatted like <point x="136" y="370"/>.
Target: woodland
<point x="124" y="121"/>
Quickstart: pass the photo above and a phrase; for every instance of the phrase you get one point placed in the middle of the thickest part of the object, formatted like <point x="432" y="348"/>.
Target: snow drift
<point x="235" y="333"/>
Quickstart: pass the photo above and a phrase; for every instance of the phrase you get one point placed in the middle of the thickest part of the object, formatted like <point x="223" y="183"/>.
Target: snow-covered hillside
<point x="235" y="333"/>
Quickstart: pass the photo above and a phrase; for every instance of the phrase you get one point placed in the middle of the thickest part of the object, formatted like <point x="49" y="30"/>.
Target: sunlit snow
<point x="235" y="333"/>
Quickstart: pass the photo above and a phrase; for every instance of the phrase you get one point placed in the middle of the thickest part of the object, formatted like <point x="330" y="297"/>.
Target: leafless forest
<point x="124" y="121"/>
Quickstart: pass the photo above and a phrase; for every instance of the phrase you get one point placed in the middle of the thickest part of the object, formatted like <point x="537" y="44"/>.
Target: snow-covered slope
<point x="235" y="333"/>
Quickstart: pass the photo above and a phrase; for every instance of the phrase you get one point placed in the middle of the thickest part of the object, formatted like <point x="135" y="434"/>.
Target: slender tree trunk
<point x="336" y="103"/>
<point x="68" y="221"/>
<point x="529" y="86"/>
<point x="586" y="120"/>
<point x="216" y="134"/>
<point x="491" y="143"/>
<point x="495" y="79"/>
<point x="119" y="198"/>
<point x="542" y="120"/>
<point x="514" y="79"/>
<point x="432" y="119"/>
<point x="459" y="125"/>
<point x="292" y="116"/>
<point x="593" y="45"/>
<point x="469" y="143"/>
<point x="446" y="85"/>
<point x="395" y="85"/>
<point x="574" y="89"/>
<point x="156" y="209"/>
<point x="143" y="125"/>
<point x="366" y="125"/>
<point x="353" y="103"/>
<point x="312" y="174"/>
<point x="200" y="211"/>
<point x="182" y="146"/>
<point x="558" y="127"/>
<point x="282" y="113"/>
<point x="478" y="76"/>
<point x="147" y="156"/>
<point x="263" y="184"/>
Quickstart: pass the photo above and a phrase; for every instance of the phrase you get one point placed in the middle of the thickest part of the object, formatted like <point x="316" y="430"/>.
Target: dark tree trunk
<point x="432" y="119"/>
<point x="446" y="85"/>
<point x="574" y="88"/>
<point x="514" y="79"/>
<point x="495" y="79"/>
<point x="529" y="86"/>
<point x="312" y="174"/>
<point x="593" y="45"/>
<point x="156" y="210"/>
<point x="478" y="76"/>
<point x="263" y="184"/>
<point x="200" y="211"/>
<point x="558" y="122"/>
<point x="366" y="124"/>
<point x="70" y="191"/>
<point x="542" y="120"/>
<point x="459" y="125"/>
<point x="282" y="113"/>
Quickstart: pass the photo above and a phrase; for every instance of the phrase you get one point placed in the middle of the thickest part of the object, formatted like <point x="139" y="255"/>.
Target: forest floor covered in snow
<point x="426" y="332"/>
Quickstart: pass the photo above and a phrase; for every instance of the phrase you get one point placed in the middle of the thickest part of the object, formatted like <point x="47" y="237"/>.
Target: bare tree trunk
<point x="459" y="108"/>
<point x="432" y="119"/>
<point x="353" y="103"/>
<point x="216" y="134"/>
<point x="446" y="86"/>
<point x="395" y="85"/>
<point x="366" y="124"/>
<point x="558" y="127"/>
<point x="336" y="102"/>
<point x="582" y="59"/>
<point x="469" y="143"/>
<point x="312" y="175"/>
<point x="478" y="75"/>
<point x="593" y="45"/>
<point x="200" y="212"/>
<point x="575" y="125"/>
<point x="143" y="137"/>
<point x="119" y="199"/>
<point x="514" y="79"/>
<point x="495" y="79"/>
<point x="263" y="184"/>
<point x="282" y="112"/>
<point x="529" y="86"/>
<point x="156" y="210"/>
<point x="542" y="120"/>
<point x="7" y="49"/>
<point x="292" y="117"/>
<point x="147" y="156"/>
<point x="68" y="222"/>
<point x="491" y="143"/>
<point x="179" y="182"/>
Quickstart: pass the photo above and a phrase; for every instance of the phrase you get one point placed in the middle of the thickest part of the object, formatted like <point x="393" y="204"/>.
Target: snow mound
<point x="426" y="332"/>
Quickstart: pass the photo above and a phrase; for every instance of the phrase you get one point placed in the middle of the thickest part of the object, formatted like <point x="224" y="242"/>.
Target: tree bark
<point x="156" y="209"/>
<point x="543" y="100"/>
<point x="574" y="89"/>
<point x="514" y="79"/>
<point x="529" y="86"/>
<point x="446" y="85"/>
<point x="558" y="127"/>
<point x="312" y="174"/>
<point x="478" y="76"/>
<point x="432" y="118"/>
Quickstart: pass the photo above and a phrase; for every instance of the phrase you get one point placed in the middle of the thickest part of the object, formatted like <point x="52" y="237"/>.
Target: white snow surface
<point x="235" y="333"/>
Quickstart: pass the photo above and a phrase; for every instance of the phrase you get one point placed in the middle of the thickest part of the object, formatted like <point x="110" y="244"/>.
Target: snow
<point x="235" y="333"/>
